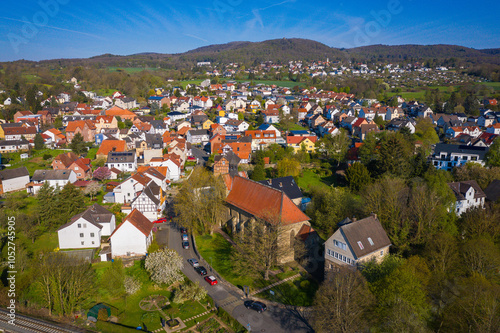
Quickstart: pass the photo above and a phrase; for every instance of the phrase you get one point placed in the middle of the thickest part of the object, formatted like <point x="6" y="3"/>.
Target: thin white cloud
<point x="193" y="36"/>
<point x="56" y="28"/>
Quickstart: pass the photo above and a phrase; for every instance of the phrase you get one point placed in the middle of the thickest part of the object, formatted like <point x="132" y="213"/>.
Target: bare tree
<point x="200" y="202"/>
<point x="260" y="246"/>
<point x="342" y="302"/>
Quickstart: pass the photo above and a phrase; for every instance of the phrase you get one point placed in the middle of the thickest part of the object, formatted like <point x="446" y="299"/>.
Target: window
<point x="81" y="235"/>
<point x="83" y="243"/>
<point x="370" y="241"/>
<point x="92" y="234"/>
<point x="92" y="242"/>
<point x="85" y="225"/>
<point x="79" y="225"/>
<point x="348" y="260"/>
<point x="76" y="168"/>
<point x="336" y="255"/>
<point x="382" y="253"/>
<point x="360" y="245"/>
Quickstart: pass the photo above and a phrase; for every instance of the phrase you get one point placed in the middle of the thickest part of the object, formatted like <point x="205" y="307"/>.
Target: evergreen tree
<point x="39" y="144"/>
<point x="77" y="145"/>
<point x="71" y="202"/>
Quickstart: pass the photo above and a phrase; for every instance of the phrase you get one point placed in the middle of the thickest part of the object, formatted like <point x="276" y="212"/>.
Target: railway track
<point x="27" y="324"/>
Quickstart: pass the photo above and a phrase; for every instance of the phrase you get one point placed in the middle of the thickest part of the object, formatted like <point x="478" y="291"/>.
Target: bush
<point x="230" y="321"/>
<point x="47" y="157"/>
<point x="305" y="284"/>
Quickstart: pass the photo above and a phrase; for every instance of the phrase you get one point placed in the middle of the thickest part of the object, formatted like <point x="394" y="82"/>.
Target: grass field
<point x="35" y="161"/>
<point x="127" y="309"/>
<point x="309" y="178"/>
<point x="494" y="85"/>
<point x="287" y="84"/>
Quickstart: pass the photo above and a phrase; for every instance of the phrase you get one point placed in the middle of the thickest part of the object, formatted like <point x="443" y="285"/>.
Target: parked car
<point x="185" y="237"/>
<point x="184" y="230"/>
<point x="185" y="245"/>
<point x="161" y="220"/>
<point x="255" y="305"/>
<point x="200" y="270"/>
<point x="211" y="279"/>
<point x="193" y="262"/>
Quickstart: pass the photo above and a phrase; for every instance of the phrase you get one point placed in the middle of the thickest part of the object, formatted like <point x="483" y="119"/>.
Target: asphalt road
<point x="275" y="319"/>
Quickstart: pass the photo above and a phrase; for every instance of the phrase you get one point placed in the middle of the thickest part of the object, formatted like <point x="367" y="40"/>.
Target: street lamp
<point x="210" y="264"/>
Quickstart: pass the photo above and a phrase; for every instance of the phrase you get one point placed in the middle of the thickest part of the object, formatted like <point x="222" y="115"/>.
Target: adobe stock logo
<point x="382" y="19"/>
<point x="29" y="30"/>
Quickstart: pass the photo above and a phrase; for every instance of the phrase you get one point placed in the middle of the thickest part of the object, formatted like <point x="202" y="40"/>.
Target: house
<point x="448" y="156"/>
<point x="356" y="242"/>
<point x="132" y="237"/>
<point x="296" y="142"/>
<point x="249" y="200"/>
<point x="56" y="135"/>
<point x="468" y="194"/>
<point x="159" y="101"/>
<point x="149" y="202"/>
<point x="197" y="136"/>
<point x="128" y="190"/>
<point x="108" y="146"/>
<point x="69" y="160"/>
<point x="233" y="125"/>
<point x="86" y="229"/>
<point x="13" y="179"/>
<point x="271" y="115"/>
<point x="363" y="130"/>
<point x="261" y="139"/>
<point x="227" y="163"/>
<point x="288" y="186"/>
<point x="124" y="114"/>
<point x="55" y="178"/>
<point x="17" y="133"/>
<point x="105" y="122"/>
<point x="399" y="123"/>
<point x="126" y="103"/>
<point x="124" y="161"/>
<point x="11" y="146"/>
<point x="86" y="128"/>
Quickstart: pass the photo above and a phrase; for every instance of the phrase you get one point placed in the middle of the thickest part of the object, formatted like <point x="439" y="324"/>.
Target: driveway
<point x="275" y="319"/>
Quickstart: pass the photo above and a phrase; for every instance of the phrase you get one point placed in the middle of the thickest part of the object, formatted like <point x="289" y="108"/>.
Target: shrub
<point x="47" y="157"/>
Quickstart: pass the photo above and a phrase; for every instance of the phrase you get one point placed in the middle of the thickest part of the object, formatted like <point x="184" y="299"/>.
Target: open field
<point x="131" y="70"/>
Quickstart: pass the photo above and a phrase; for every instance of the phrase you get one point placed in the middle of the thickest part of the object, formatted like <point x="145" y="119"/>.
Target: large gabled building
<point x="249" y="201"/>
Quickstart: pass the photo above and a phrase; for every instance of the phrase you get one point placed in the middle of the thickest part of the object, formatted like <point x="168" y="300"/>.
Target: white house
<point x="128" y="190"/>
<point x="448" y="156"/>
<point x="54" y="178"/>
<point x="79" y="233"/>
<point x="356" y="242"/>
<point x="148" y="202"/>
<point x="14" y="179"/>
<point x="469" y="195"/>
<point x="123" y="161"/>
<point x="85" y="229"/>
<point x="132" y="237"/>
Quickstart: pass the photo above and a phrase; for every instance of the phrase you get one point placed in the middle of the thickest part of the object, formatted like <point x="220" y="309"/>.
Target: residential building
<point x="468" y="194"/>
<point x="124" y="161"/>
<point x="356" y="242"/>
<point x="132" y="237"/>
<point x="448" y="156"/>
<point x="13" y="179"/>
<point x="53" y="177"/>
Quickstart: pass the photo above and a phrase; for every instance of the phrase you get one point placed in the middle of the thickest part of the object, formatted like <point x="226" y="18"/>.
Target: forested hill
<point x="424" y="52"/>
<point x="286" y="49"/>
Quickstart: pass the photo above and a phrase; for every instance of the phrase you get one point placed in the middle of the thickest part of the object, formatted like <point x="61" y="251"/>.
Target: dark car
<point x="201" y="270"/>
<point x="184" y="230"/>
<point x="185" y="245"/>
<point x="255" y="305"/>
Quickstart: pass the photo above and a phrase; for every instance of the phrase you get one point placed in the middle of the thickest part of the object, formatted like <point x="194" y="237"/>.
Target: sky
<point x="52" y="29"/>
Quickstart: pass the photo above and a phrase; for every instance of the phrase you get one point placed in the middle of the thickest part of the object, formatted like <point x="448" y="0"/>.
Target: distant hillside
<point x="284" y="50"/>
<point x="398" y="52"/>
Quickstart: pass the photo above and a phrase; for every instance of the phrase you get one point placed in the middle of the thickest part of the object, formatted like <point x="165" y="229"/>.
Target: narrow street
<point x="275" y="319"/>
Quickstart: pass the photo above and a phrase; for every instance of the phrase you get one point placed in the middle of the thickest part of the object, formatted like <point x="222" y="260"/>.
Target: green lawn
<point x="494" y="85"/>
<point x="35" y="161"/>
<point x="128" y="311"/>
<point x="298" y="292"/>
<point x="92" y="152"/>
<point x="309" y="178"/>
<point x="215" y="249"/>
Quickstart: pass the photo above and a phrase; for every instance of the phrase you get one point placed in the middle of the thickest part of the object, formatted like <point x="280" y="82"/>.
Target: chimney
<point x="354" y="219"/>
<point x="281" y="184"/>
<point x="374" y="215"/>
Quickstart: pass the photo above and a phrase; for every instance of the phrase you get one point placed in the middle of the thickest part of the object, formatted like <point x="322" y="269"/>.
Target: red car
<point x="161" y="220"/>
<point x="211" y="279"/>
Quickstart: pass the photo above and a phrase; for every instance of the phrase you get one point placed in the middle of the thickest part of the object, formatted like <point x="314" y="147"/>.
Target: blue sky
<point x="75" y="29"/>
